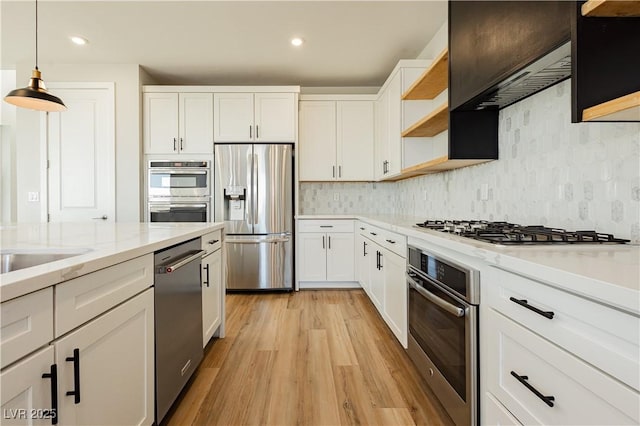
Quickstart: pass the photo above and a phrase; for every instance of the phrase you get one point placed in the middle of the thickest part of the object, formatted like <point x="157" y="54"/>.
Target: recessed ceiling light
<point x="297" y="41"/>
<point x="80" y="41"/>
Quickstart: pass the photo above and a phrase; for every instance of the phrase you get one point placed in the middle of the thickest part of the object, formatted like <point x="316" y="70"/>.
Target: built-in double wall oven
<point x="179" y="191"/>
<point x="443" y="330"/>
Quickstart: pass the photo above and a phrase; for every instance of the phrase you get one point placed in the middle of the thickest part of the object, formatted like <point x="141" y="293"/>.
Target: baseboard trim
<point x="308" y="285"/>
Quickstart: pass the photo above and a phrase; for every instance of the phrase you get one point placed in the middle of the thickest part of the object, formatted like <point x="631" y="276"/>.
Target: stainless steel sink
<point x="12" y="260"/>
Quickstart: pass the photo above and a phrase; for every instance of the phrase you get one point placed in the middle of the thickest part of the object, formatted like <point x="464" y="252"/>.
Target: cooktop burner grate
<point x="513" y="234"/>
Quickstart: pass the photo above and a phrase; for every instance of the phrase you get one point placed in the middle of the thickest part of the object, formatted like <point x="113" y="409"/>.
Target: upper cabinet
<point x="255" y="117"/>
<point x="178" y="123"/>
<point x="336" y="138"/>
<point x="605" y="61"/>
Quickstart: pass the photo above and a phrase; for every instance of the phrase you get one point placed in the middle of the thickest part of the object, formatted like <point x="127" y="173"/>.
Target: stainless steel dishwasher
<point x="178" y="320"/>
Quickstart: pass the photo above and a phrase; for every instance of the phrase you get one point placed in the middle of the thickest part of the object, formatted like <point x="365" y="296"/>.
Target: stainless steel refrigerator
<point x="253" y="196"/>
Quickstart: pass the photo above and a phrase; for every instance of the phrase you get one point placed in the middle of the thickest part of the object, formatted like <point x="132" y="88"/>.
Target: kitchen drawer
<point x="362" y="228"/>
<point x="394" y="242"/>
<point x="605" y="337"/>
<point x="26" y="324"/>
<point x="325" y="225"/>
<point x="83" y="298"/>
<point x="494" y="413"/>
<point x="212" y="241"/>
<point x="582" y="394"/>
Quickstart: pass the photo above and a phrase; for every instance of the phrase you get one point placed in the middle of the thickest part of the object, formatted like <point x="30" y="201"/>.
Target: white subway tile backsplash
<point x="550" y="172"/>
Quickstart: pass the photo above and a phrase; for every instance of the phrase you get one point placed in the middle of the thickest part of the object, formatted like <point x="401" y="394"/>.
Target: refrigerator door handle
<point x="256" y="194"/>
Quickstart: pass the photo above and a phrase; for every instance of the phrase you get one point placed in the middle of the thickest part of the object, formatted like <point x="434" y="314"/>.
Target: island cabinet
<point x="551" y="357"/>
<point x="255" y="117"/>
<point x="381" y="260"/>
<point x="212" y="288"/>
<point x="336" y="137"/>
<point x="177" y="123"/>
<point x="97" y="365"/>
<point x="325" y="253"/>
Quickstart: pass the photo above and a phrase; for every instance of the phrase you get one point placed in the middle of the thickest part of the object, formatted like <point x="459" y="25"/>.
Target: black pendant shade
<point x="35" y="96"/>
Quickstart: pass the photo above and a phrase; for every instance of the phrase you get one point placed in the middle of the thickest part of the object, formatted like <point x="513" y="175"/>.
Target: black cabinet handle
<point x="257" y="132"/>
<point x="362" y="229"/>
<point x="364" y="248"/>
<point x="329" y="242"/>
<point x="53" y="375"/>
<point x="174" y="143"/>
<point x="523" y="379"/>
<point x="523" y="302"/>
<point x="250" y="132"/>
<point x="206" y="268"/>
<point x="326" y="226"/>
<point x="390" y="241"/>
<point x="373" y="233"/>
<point x="76" y="375"/>
<point x="181" y="147"/>
<point x="323" y="242"/>
<point x="213" y="241"/>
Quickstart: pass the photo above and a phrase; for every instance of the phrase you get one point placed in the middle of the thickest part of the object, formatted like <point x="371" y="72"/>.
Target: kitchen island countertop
<point x="608" y="273"/>
<point x="107" y="244"/>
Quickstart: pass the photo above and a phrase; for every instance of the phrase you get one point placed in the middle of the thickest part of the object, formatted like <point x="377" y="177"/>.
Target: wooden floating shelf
<point x="432" y="82"/>
<point x="625" y="108"/>
<point x="611" y="8"/>
<point x="436" y="165"/>
<point x="431" y="125"/>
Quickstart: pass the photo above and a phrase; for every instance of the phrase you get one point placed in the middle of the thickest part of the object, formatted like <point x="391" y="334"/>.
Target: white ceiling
<point x="347" y="43"/>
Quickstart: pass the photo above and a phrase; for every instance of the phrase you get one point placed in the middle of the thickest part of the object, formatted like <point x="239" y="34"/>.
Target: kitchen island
<point x="77" y="337"/>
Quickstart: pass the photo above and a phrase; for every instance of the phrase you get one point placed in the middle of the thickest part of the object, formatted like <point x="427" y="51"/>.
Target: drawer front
<point x="362" y="228"/>
<point x="212" y="241"/>
<point x="582" y="395"/>
<point x="325" y="226"/>
<point x="494" y="413"/>
<point x="81" y="299"/>
<point x="27" y="324"/>
<point x="394" y="242"/>
<point x="604" y="337"/>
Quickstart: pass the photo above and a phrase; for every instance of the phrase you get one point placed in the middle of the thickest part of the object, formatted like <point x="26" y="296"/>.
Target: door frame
<point x="44" y="142"/>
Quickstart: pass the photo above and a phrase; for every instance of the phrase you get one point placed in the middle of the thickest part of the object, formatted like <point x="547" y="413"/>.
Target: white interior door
<point x="81" y="148"/>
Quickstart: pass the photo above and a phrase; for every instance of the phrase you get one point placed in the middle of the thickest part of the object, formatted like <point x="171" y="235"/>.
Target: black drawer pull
<point x="76" y="375"/>
<point x="361" y="228"/>
<point x="390" y="241"/>
<point x="326" y="226"/>
<point x="53" y="375"/>
<point x="213" y="241"/>
<point x="373" y="233"/>
<point x="523" y="302"/>
<point x="523" y="379"/>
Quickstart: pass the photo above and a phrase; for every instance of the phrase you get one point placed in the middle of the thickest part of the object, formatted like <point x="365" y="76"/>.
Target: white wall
<point x="7" y="149"/>
<point x="128" y="115"/>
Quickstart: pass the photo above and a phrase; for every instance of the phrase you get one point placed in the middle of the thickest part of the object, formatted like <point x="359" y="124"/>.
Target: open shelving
<point x="436" y="165"/>
<point x="611" y="8"/>
<point x="432" y="82"/>
<point x="434" y="123"/>
<point x="624" y="108"/>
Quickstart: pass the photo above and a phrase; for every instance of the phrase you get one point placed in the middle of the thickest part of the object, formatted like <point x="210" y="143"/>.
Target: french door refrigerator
<point x="254" y="198"/>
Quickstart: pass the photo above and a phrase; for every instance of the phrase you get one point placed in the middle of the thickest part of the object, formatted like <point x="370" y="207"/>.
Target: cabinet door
<point x="394" y="147"/>
<point x="363" y="253"/>
<point x="381" y="135"/>
<point x="340" y="257"/>
<point x="25" y="393"/>
<point x="160" y="118"/>
<point x="233" y="117"/>
<point x="196" y="123"/>
<point x="275" y="117"/>
<point x="116" y="367"/>
<point x="312" y="258"/>
<point x="377" y="278"/>
<point x="355" y="140"/>
<point x="317" y="143"/>
<point x="395" y="294"/>
<point x="211" y="294"/>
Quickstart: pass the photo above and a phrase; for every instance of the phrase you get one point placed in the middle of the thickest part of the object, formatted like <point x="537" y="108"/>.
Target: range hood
<point x="542" y="73"/>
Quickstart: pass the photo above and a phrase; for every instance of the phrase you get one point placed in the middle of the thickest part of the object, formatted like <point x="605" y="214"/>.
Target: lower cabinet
<point x="106" y="367"/>
<point x="395" y="294"/>
<point x="325" y="253"/>
<point x="496" y="414"/>
<point x="211" y="294"/>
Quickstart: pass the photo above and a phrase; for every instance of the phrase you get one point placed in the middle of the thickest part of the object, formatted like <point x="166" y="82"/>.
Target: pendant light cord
<point x="36" y="34"/>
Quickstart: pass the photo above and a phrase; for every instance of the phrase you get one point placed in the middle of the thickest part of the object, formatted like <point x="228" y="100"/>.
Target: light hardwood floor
<point x="306" y="358"/>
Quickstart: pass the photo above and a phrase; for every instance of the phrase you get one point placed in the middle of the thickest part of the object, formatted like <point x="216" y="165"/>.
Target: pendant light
<point x="35" y="95"/>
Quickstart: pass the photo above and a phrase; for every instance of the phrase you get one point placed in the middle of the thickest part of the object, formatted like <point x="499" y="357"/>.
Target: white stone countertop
<point x="109" y="244"/>
<point x="608" y="273"/>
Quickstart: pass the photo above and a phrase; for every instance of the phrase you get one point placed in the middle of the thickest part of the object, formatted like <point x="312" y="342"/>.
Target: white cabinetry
<point x="176" y="123"/>
<point x="212" y="290"/>
<point x="392" y="116"/>
<point x="336" y="138"/>
<point x="384" y="281"/>
<point x="550" y="357"/>
<point x="325" y="253"/>
<point x="254" y="117"/>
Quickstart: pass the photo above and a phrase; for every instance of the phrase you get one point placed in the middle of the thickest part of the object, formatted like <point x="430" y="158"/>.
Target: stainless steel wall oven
<point x="179" y="191"/>
<point x="443" y="330"/>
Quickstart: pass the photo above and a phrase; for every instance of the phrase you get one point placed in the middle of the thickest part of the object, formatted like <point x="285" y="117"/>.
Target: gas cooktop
<point x="512" y="234"/>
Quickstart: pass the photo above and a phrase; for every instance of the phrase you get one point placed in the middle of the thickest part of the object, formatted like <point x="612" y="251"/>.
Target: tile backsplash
<point x="550" y="172"/>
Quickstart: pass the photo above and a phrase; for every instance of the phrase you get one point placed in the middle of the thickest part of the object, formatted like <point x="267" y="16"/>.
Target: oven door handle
<point x="177" y="172"/>
<point x="452" y="309"/>
<point x="168" y="207"/>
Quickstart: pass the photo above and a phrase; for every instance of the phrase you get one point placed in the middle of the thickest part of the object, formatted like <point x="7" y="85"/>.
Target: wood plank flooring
<point x="306" y="358"/>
